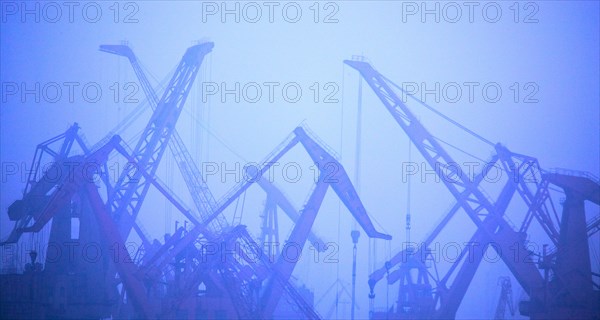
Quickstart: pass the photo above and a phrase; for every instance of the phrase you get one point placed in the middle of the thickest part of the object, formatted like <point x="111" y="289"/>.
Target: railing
<point x="85" y="140"/>
<point x="593" y="225"/>
<point x="575" y="173"/>
<point x="279" y="147"/>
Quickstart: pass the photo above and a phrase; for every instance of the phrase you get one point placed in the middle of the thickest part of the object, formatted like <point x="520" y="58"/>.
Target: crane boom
<point x="339" y="182"/>
<point x="132" y="187"/>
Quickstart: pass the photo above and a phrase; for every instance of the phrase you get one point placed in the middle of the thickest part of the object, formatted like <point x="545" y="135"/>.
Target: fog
<point x="526" y="76"/>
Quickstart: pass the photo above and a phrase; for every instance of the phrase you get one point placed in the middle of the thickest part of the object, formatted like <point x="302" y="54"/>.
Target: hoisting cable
<point x="460" y="150"/>
<point x="215" y="135"/>
<point x="132" y="116"/>
<point x="441" y="114"/>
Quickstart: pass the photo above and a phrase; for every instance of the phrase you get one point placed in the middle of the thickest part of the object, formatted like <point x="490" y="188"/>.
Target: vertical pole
<point x="358" y="139"/>
<point x="408" y="198"/>
<point x="545" y="274"/>
<point x="354" y="234"/>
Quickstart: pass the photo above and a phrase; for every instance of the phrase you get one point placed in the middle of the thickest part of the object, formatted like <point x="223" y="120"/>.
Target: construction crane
<point x="488" y="217"/>
<point x="54" y="164"/>
<point x="72" y="183"/>
<point x="340" y="183"/>
<point x="505" y="299"/>
<point x="26" y="212"/>
<point x="470" y="198"/>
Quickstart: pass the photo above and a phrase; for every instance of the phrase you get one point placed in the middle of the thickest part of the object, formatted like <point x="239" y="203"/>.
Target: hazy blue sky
<point x="550" y="49"/>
